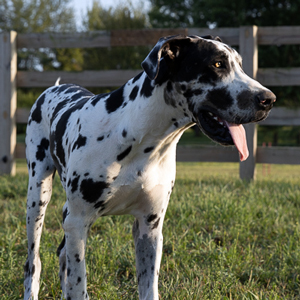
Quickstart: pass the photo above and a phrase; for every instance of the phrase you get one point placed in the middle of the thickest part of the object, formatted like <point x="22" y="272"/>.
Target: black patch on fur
<point x="183" y="87"/>
<point x="97" y="98"/>
<point x="33" y="270"/>
<point x="54" y="89"/>
<point x="41" y="152"/>
<point x="65" y="213"/>
<point x="58" y="107"/>
<point x="124" y="133"/>
<point x="136" y="78"/>
<point x="220" y="98"/>
<point x="72" y="89"/>
<point x="99" y="204"/>
<point x="26" y="269"/>
<point x="169" y="86"/>
<point x="168" y="96"/>
<point x="80" y="95"/>
<point x="100" y="138"/>
<point x="33" y="167"/>
<point x="244" y="100"/>
<point x="92" y="190"/>
<point x="115" y="100"/>
<point x="60" y="247"/>
<point x="37" y="113"/>
<point x="151" y="218"/>
<point x="82" y="91"/>
<point x="64" y="87"/>
<point x="122" y="155"/>
<point x="77" y="258"/>
<point x="81" y="141"/>
<point x="43" y="204"/>
<point x="149" y="149"/>
<point x="74" y="184"/>
<point x="56" y="138"/>
<point x="155" y="225"/>
<point x="134" y="93"/>
<point x="191" y="93"/>
<point x="147" y="88"/>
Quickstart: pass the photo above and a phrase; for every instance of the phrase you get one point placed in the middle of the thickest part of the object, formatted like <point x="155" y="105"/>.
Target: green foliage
<point x="125" y="16"/>
<point x="36" y="15"/>
<point x="223" y="239"/>
<point x="171" y="13"/>
<point x="41" y="16"/>
<point x="201" y="13"/>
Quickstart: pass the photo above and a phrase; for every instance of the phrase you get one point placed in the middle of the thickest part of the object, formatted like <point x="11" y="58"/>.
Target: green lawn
<point x="223" y="238"/>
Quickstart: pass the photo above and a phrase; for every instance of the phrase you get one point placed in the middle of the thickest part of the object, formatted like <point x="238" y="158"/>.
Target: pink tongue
<point x="238" y="135"/>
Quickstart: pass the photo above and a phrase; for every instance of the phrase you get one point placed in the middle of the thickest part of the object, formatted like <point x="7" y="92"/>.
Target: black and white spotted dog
<point x="115" y="152"/>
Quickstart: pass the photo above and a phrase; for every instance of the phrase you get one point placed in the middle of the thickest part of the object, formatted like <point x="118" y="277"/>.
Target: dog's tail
<point x="57" y="81"/>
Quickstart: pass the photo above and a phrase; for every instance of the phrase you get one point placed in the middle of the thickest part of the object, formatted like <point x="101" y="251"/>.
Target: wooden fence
<point x="247" y="38"/>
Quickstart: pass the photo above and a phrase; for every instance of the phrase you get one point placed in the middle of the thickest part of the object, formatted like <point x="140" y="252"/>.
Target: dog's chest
<point x="120" y="189"/>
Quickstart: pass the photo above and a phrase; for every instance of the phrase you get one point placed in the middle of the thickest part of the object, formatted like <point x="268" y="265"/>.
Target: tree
<point x="241" y="12"/>
<point x="220" y="13"/>
<point x="125" y="16"/>
<point x="171" y="13"/>
<point x="31" y="16"/>
<point x="26" y="16"/>
<point x="36" y="15"/>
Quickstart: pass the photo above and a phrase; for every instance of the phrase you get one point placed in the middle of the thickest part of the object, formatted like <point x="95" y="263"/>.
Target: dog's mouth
<point x="223" y="132"/>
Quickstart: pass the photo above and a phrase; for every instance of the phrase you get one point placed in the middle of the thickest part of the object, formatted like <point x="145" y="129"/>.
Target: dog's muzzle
<point x="227" y="132"/>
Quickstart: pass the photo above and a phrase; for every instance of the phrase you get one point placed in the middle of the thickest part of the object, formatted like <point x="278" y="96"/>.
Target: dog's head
<point x="206" y="76"/>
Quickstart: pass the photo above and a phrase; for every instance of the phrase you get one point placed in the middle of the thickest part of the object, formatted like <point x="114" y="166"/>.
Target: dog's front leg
<point x="148" y="240"/>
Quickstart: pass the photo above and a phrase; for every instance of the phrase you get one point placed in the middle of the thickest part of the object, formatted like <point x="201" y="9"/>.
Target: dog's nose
<point x="266" y="99"/>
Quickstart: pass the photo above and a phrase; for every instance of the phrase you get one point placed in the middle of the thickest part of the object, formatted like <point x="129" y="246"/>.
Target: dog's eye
<point x="218" y="64"/>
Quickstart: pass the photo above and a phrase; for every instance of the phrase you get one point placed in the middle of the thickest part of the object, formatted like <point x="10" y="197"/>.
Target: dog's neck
<point x="156" y="120"/>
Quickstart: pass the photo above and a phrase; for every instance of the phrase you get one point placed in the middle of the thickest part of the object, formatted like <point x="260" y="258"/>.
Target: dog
<point x="115" y="153"/>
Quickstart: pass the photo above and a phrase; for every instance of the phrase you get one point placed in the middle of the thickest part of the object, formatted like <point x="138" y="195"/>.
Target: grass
<point x="223" y="238"/>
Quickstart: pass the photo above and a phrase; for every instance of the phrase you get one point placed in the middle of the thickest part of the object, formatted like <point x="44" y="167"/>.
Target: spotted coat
<point x="115" y="152"/>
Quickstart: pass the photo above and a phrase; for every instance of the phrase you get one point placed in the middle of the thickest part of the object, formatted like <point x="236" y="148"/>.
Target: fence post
<point x="249" y="53"/>
<point x="8" y="101"/>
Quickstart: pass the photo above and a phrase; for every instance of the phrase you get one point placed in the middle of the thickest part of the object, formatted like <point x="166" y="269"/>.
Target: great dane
<point x="115" y="152"/>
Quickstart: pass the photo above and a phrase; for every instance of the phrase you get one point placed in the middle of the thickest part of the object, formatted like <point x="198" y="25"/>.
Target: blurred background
<point x="30" y="16"/>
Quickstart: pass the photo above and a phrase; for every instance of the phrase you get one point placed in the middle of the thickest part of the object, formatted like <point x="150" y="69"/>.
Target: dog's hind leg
<point x="72" y="256"/>
<point x="41" y="170"/>
<point x="61" y="253"/>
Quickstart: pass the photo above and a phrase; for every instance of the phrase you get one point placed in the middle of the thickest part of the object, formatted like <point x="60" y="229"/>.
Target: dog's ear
<point x="164" y="53"/>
